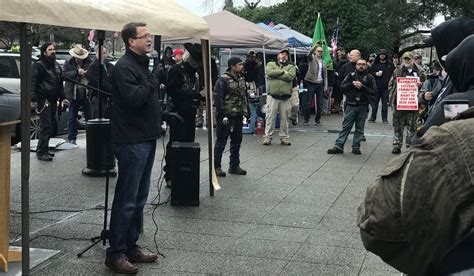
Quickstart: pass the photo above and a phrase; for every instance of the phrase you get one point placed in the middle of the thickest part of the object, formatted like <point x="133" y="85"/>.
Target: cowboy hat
<point x="79" y="52"/>
<point x="194" y="50"/>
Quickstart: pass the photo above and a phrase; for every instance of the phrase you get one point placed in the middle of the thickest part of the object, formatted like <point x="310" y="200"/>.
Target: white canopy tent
<point x="104" y="15"/>
<point x="228" y="30"/>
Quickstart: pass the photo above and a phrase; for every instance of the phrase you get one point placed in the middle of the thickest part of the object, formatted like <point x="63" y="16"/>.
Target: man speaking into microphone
<point x="135" y="127"/>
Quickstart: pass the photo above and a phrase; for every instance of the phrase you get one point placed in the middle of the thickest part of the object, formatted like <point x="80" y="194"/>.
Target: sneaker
<point x="220" y="172"/>
<point x="237" y="170"/>
<point x="396" y="151"/>
<point x="385" y="122"/>
<point x="363" y="138"/>
<point x="335" y="150"/>
<point x="317" y="123"/>
<point x="306" y="122"/>
<point x="294" y="122"/>
<point x="285" y="142"/>
<point x="72" y="141"/>
<point x="45" y="157"/>
<point x="267" y="141"/>
<point x="356" y="151"/>
<point x="50" y="154"/>
<point x="371" y="120"/>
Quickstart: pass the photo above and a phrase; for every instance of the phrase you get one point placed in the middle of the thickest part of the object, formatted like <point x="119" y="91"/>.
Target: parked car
<point x="10" y="79"/>
<point x="10" y="71"/>
<point x="10" y="110"/>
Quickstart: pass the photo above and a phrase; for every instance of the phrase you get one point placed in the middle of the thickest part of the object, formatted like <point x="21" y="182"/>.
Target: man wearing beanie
<point x="230" y="99"/>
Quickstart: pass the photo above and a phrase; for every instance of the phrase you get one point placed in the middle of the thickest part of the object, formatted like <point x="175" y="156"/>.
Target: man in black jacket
<point x="75" y="69"/>
<point x="92" y="76"/>
<point x="358" y="87"/>
<point x="135" y="126"/>
<point x="382" y="70"/>
<point x="47" y="89"/>
<point x="184" y="85"/>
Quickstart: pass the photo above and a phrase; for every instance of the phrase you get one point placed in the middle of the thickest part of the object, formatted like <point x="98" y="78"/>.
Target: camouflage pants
<point x="402" y="119"/>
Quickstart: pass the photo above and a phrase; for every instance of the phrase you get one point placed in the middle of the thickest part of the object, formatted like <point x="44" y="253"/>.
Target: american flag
<point x="269" y="22"/>
<point x="334" y="38"/>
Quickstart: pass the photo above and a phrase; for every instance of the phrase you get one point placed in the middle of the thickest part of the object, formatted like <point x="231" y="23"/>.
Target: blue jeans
<point x="353" y="114"/>
<point x="135" y="162"/>
<point x="327" y="102"/>
<point x="381" y="95"/>
<point x="74" y="106"/>
<point x="317" y="89"/>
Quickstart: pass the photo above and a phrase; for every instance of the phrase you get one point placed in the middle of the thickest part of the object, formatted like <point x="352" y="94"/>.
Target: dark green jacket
<point x="280" y="79"/>
<point x="230" y="95"/>
<point x="422" y="205"/>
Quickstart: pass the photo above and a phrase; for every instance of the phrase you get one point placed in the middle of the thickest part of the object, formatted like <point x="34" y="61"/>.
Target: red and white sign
<point x="407" y="93"/>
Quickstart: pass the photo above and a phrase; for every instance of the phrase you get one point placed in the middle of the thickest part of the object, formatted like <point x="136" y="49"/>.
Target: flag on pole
<point x="334" y="38"/>
<point x="269" y="22"/>
<point x="320" y="38"/>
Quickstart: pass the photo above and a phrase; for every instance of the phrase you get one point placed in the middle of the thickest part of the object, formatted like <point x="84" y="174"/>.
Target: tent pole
<point x="25" y="65"/>
<point x="206" y="56"/>
<point x="294" y="53"/>
<point x="265" y="66"/>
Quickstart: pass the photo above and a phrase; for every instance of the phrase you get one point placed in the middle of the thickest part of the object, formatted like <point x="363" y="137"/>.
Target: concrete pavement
<point x="294" y="213"/>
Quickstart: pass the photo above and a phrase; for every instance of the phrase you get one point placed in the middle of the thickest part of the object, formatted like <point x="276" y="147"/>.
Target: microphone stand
<point x="104" y="235"/>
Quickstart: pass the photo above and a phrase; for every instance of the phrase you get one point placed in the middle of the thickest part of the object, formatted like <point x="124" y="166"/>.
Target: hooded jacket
<point x="447" y="35"/>
<point x="421" y="206"/>
<point x="386" y="67"/>
<point x="167" y="62"/>
<point x="458" y="65"/>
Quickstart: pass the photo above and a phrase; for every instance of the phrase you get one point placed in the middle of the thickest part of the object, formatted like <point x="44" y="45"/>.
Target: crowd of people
<point x="140" y="100"/>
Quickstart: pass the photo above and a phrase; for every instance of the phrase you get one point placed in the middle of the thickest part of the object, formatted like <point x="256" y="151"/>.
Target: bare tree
<point x="252" y="5"/>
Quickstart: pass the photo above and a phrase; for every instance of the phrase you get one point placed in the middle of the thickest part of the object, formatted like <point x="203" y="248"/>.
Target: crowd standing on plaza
<point x="139" y="99"/>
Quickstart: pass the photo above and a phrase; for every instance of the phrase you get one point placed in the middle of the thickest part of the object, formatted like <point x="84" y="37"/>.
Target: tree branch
<point x="414" y="47"/>
<point x="252" y="5"/>
<point x="415" y="33"/>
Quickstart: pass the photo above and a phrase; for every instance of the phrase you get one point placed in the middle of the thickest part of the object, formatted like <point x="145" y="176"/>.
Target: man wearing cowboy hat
<point x="74" y="73"/>
<point x="184" y="85"/>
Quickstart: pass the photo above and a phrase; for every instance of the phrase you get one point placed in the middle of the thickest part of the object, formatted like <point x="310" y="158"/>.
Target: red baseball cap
<point x="178" y="52"/>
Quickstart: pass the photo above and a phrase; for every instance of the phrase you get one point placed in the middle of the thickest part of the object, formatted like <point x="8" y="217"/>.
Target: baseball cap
<point x="284" y="51"/>
<point x="408" y="55"/>
<point x="233" y="61"/>
<point x="178" y="52"/>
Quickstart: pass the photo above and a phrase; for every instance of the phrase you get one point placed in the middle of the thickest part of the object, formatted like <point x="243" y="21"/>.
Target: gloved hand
<point x="173" y="119"/>
<point x="225" y="121"/>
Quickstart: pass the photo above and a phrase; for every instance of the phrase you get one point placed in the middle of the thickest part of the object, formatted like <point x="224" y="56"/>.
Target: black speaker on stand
<point x="185" y="174"/>
<point x="100" y="158"/>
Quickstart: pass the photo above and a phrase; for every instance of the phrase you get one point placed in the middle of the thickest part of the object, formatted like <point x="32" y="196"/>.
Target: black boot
<point x="45" y="157"/>
<point x="335" y="150"/>
<point x="220" y="172"/>
<point x="237" y="170"/>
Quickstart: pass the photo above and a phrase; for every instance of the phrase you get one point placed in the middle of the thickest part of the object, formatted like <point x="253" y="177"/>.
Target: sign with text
<point x="407" y="93"/>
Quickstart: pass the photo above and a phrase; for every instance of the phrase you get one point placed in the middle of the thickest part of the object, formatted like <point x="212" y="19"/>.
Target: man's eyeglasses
<point x="143" y="36"/>
<point x="361" y="64"/>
